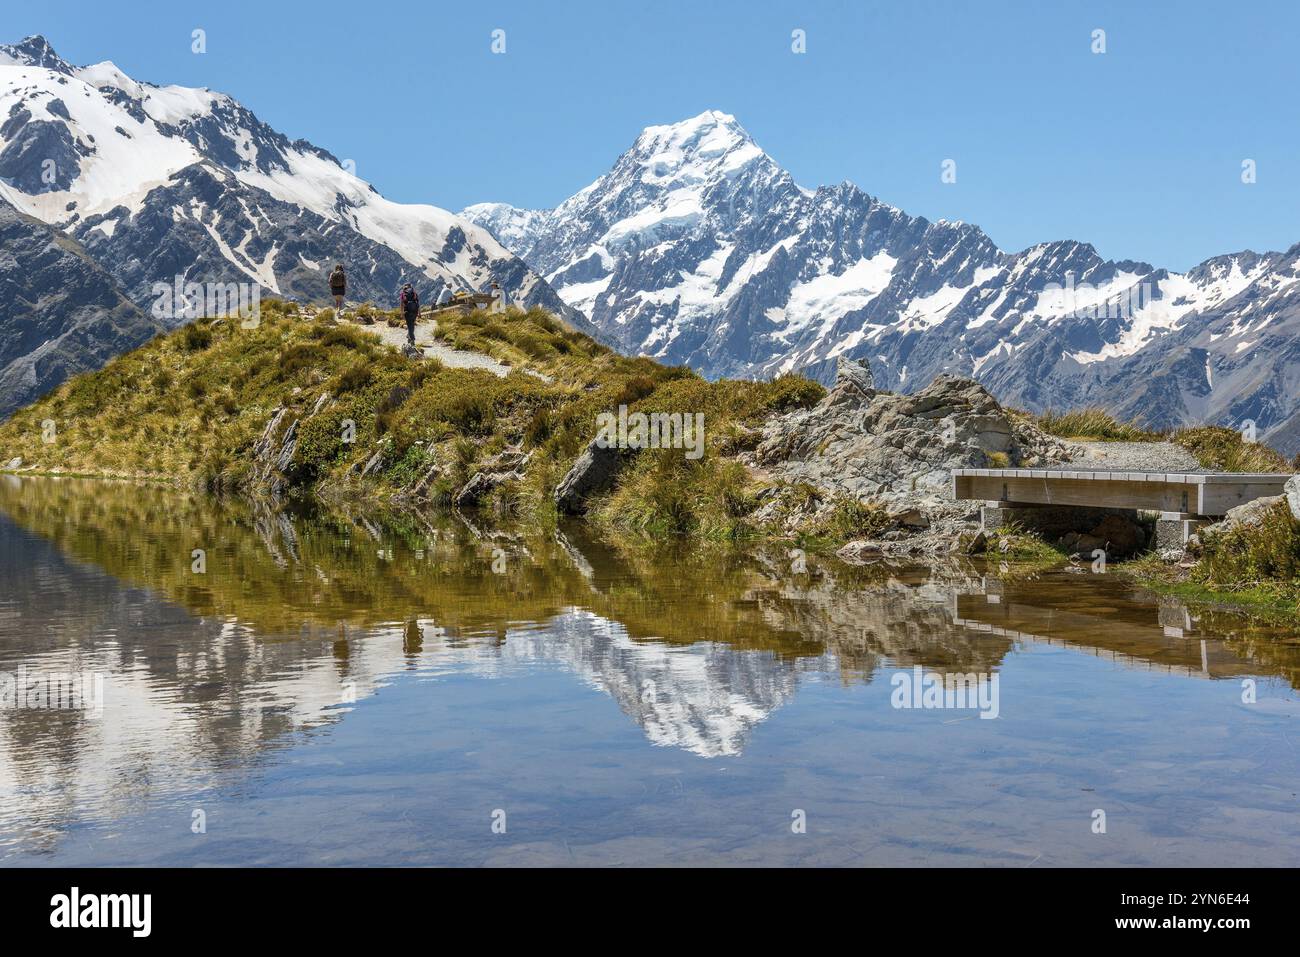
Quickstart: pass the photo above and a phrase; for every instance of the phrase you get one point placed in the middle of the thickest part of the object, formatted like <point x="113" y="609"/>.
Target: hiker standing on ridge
<point x="409" y="303"/>
<point x="338" y="287"/>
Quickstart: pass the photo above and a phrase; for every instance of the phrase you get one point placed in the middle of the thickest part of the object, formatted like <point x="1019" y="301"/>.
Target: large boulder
<point x="1251" y="513"/>
<point x="593" y="472"/>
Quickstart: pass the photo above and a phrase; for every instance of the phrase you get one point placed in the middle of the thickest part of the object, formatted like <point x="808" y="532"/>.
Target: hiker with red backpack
<point x="409" y="304"/>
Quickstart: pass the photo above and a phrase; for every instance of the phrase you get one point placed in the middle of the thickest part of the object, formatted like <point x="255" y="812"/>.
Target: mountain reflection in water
<point x="297" y="619"/>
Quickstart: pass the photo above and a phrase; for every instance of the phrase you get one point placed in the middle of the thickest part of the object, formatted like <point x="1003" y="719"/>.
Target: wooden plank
<point x="1220" y="496"/>
<point x="1112" y="493"/>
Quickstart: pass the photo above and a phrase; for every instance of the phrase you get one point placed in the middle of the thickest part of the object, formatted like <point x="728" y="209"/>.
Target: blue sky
<point x="1138" y="150"/>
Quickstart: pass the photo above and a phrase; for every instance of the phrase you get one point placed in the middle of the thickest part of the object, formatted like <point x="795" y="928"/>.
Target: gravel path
<point x="1136" y="456"/>
<point x="395" y="336"/>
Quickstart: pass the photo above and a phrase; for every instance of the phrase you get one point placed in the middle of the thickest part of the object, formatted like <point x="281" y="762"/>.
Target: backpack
<point x="337" y="279"/>
<point x="410" y="298"/>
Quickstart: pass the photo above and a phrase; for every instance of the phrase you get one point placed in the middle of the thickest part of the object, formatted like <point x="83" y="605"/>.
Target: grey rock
<point x="854" y="383"/>
<point x="425" y="483"/>
<point x="1250" y="514"/>
<point x="593" y="472"/>
<point x="480" y="485"/>
<point x="288" y="445"/>
<point x="911" y="518"/>
<point x="971" y="543"/>
<point x="25" y="160"/>
<point x="1292" y="492"/>
<point x="899" y="446"/>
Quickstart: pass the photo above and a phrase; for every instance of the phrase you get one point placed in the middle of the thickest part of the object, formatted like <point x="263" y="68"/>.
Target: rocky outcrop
<point x="481" y="485"/>
<point x="1292" y="492"/>
<point x="274" y="451"/>
<point x="896" y="451"/>
<point x="593" y="472"/>
<point x="854" y="382"/>
<point x="900" y="447"/>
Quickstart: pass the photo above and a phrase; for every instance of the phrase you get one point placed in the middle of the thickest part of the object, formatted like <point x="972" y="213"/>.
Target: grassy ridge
<point x="191" y="405"/>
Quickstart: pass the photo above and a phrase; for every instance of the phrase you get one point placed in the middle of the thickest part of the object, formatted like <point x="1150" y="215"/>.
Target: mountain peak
<point x="33" y="51"/>
<point x="709" y="132"/>
<point x="701" y="147"/>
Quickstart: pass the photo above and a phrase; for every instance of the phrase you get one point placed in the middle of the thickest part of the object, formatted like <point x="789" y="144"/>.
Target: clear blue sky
<point x="1137" y="150"/>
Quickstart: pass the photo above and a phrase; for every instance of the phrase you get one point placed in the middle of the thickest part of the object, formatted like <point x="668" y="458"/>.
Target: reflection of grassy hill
<point x="281" y="572"/>
<point x="190" y="406"/>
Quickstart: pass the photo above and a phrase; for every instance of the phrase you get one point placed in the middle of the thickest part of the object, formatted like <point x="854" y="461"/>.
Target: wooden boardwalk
<point x="1192" y="494"/>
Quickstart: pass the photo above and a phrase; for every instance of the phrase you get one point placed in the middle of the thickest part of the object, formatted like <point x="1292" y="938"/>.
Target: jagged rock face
<point x="698" y="248"/>
<point x="854" y="383"/>
<point x="900" y="448"/>
<point x="160" y="182"/>
<point x="41" y="157"/>
<point x="60" y="313"/>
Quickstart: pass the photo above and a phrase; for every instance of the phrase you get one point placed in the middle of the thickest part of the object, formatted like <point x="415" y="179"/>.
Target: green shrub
<point x="303" y="356"/>
<point x="851" y="518"/>
<point x="353" y="378"/>
<point x="196" y="337"/>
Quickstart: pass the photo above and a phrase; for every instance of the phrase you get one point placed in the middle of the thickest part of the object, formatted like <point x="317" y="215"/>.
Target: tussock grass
<point x="1254" y="555"/>
<point x="1254" y="567"/>
<point x="1221" y="449"/>
<point x="1097" y="424"/>
<point x="1217" y="448"/>
<point x="189" y="407"/>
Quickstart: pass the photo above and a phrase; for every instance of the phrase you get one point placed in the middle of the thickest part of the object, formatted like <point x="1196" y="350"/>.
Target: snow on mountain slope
<point x="514" y="228"/>
<point x="697" y="248"/>
<point x="81" y="142"/>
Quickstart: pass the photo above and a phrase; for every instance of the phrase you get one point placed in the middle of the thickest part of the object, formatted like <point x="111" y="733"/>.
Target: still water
<point x="330" y="688"/>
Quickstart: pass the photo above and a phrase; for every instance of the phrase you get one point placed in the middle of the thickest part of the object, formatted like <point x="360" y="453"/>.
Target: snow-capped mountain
<point x="515" y="228"/>
<point x="157" y="182"/>
<point x="697" y="248"/>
